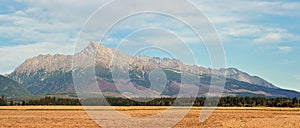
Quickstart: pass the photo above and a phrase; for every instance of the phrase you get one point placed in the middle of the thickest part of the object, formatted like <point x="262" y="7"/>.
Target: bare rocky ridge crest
<point x="111" y="57"/>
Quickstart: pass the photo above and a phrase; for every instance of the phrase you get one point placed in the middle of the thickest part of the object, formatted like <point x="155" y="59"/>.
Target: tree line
<point x="42" y="101"/>
<point x="199" y="101"/>
<point x="54" y="101"/>
<point x="164" y="101"/>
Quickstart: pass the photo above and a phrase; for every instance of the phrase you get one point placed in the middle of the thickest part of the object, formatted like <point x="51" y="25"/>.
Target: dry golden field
<point x="74" y="116"/>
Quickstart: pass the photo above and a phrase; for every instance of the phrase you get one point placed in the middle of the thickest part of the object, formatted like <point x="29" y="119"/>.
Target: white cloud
<point x="280" y="8"/>
<point x="66" y="10"/>
<point x="31" y="29"/>
<point x="13" y="56"/>
<point x="59" y="22"/>
<point x="246" y="7"/>
<point x="46" y="19"/>
<point x="276" y="37"/>
<point x="25" y="30"/>
<point x="285" y="48"/>
<point x="241" y="30"/>
<point x="259" y="34"/>
<point x="269" y="38"/>
<point x="237" y="19"/>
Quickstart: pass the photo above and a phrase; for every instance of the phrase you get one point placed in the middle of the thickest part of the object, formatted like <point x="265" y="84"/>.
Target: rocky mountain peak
<point x="48" y="63"/>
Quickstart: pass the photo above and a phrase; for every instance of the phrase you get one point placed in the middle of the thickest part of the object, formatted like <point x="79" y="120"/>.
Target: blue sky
<point x="259" y="37"/>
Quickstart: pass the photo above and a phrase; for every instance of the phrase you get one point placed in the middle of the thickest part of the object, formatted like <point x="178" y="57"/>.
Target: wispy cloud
<point x="59" y="21"/>
<point x="297" y="77"/>
<point x="285" y="48"/>
<point x="277" y="37"/>
<point x="259" y="34"/>
<point x="247" y="19"/>
<point x="246" y="7"/>
<point x="46" y="21"/>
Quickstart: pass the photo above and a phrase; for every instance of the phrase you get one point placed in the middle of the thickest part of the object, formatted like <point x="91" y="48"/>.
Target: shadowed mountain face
<point x="9" y="87"/>
<point x="53" y="73"/>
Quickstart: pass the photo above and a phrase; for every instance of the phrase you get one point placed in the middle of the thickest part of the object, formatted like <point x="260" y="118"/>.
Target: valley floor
<point x="223" y="117"/>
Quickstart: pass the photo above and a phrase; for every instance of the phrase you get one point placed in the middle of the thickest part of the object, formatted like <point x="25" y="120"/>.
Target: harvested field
<point x="45" y="118"/>
<point x="74" y="116"/>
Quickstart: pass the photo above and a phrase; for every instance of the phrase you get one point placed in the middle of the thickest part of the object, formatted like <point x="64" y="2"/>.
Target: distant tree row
<point x="200" y="101"/>
<point x="53" y="101"/>
<point x="257" y="101"/>
<point x="2" y="101"/>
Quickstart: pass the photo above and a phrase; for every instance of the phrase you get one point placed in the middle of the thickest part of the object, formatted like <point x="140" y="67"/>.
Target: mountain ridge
<point x="35" y="71"/>
<point x="105" y="55"/>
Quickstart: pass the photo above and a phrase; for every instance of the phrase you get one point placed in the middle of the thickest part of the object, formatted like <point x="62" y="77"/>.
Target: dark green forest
<point x="200" y="101"/>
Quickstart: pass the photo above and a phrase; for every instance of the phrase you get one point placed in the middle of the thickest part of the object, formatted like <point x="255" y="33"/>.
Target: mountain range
<point x="48" y="74"/>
